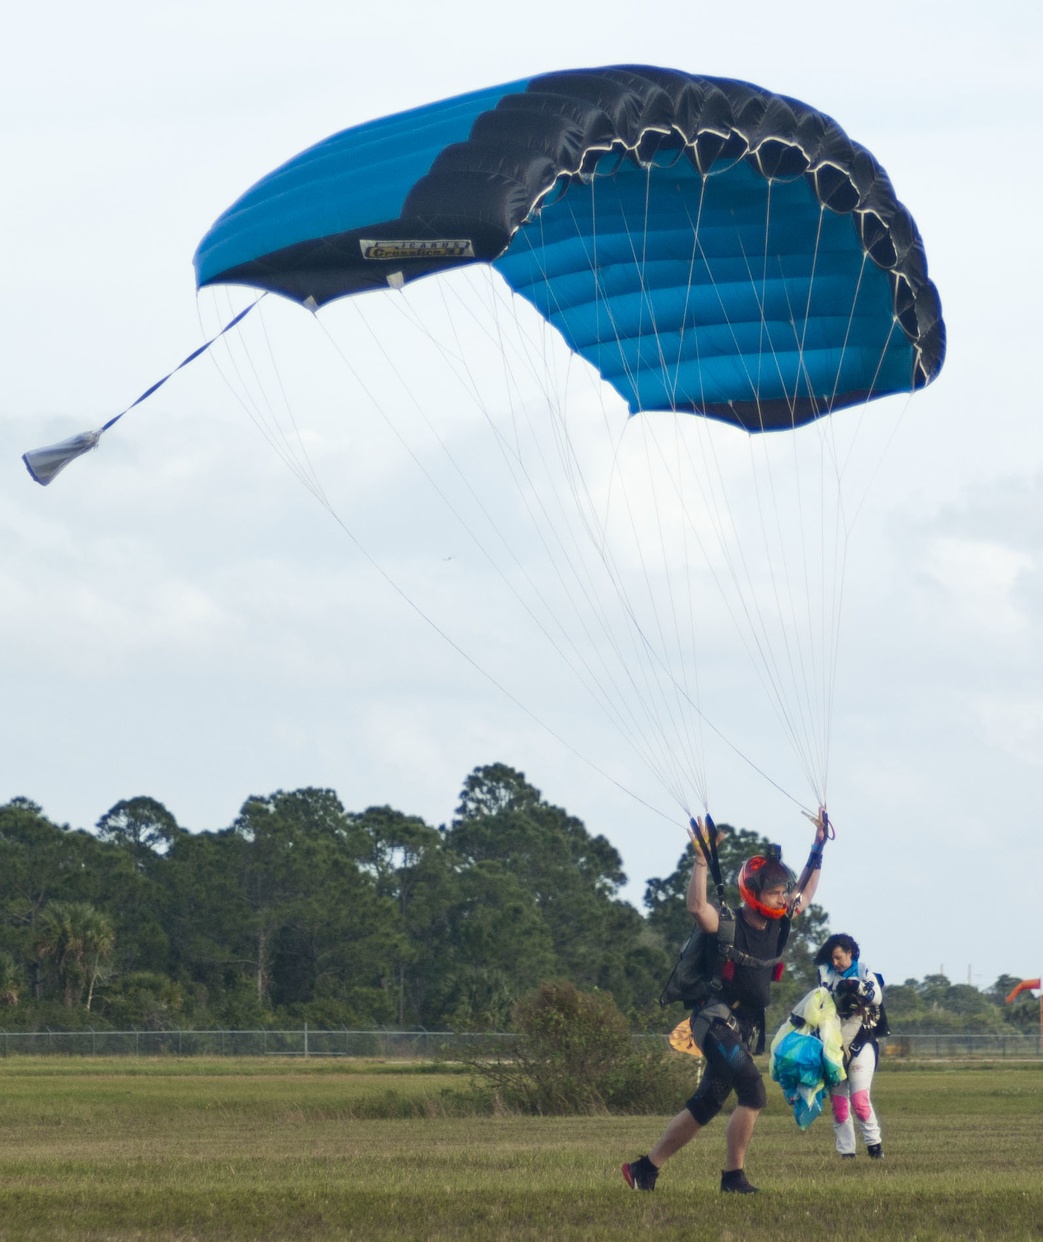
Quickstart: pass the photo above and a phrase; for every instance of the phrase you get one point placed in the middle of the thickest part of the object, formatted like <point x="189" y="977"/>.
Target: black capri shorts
<point x="729" y="1067"/>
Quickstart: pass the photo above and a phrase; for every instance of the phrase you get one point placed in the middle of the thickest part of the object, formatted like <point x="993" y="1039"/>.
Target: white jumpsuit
<point x="850" y="1099"/>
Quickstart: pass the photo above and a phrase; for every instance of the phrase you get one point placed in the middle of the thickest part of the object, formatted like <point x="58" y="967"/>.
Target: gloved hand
<point x="850" y="996"/>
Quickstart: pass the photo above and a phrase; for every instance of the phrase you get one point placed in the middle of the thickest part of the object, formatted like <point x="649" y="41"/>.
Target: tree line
<point x="302" y="911"/>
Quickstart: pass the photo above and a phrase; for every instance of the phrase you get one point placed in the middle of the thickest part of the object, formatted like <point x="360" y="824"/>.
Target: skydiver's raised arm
<point x="809" y="878"/>
<point x="699" y="905"/>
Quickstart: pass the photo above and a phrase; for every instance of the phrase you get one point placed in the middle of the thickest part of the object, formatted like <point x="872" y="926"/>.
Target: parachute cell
<point x="706" y="245"/>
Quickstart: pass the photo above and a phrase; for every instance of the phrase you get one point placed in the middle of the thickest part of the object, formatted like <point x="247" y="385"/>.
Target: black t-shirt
<point x="750" y="986"/>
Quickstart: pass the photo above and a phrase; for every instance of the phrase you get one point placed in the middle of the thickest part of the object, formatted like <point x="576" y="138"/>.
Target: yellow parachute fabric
<point x="681" y="1039"/>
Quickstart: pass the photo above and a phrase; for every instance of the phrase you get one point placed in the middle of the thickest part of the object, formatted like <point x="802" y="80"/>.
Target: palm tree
<point x="77" y="938"/>
<point x="10" y="980"/>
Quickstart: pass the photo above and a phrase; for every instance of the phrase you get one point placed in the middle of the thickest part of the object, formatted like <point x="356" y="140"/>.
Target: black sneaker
<point x="876" y="1151"/>
<point x="640" y="1175"/>
<point x="847" y="1155"/>
<point x="733" y="1182"/>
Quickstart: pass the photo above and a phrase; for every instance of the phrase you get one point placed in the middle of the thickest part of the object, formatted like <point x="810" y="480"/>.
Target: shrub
<point x="575" y="1054"/>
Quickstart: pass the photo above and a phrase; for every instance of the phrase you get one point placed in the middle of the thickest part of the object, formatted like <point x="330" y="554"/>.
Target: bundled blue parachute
<point x="706" y="245"/>
<point x="807" y="1057"/>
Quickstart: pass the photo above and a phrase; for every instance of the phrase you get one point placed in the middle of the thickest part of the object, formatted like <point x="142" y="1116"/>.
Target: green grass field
<point x="290" y="1149"/>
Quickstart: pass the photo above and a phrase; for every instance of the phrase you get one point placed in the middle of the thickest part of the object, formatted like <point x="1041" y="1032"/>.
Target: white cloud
<point x="182" y="576"/>
<point x="1014" y="725"/>
<point x="978" y="579"/>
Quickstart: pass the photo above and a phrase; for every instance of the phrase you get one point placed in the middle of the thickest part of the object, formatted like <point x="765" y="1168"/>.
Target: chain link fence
<point x="1016" y="1046"/>
<point x="387" y="1045"/>
<point x="419" y="1045"/>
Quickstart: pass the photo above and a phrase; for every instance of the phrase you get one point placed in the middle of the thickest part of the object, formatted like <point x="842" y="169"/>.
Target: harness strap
<point x="747" y="959"/>
<point x="726" y="950"/>
<point x="706" y="1017"/>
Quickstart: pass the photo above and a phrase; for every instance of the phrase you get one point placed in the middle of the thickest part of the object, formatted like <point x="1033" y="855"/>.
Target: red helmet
<point x="758" y="874"/>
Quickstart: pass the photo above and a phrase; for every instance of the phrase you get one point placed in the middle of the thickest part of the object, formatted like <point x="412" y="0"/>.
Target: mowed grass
<point x="288" y="1149"/>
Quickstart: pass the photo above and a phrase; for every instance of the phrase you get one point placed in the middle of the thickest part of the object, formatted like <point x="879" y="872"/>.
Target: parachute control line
<point x="44" y="463"/>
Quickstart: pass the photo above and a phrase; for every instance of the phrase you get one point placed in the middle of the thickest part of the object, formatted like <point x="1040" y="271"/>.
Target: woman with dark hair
<point x="858" y="994"/>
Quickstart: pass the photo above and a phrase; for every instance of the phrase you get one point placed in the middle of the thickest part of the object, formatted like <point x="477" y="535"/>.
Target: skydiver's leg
<point x="740" y="1131"/>
<point x="860" y="1080"/>
<point x="843" y="1125"/>
<point x="680" y="1131"/>
<point x="751" y="1097"/>
<point x="714" y="1088"/>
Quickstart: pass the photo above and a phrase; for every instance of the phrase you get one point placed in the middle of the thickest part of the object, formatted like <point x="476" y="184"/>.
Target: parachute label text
<point x="441" y="248"/>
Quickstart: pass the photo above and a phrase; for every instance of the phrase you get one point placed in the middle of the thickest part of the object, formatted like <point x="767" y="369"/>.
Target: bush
<point x="575" y="1054"/>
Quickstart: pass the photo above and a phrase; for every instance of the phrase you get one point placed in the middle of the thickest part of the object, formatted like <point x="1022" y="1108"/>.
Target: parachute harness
<point x="705" y="997"/>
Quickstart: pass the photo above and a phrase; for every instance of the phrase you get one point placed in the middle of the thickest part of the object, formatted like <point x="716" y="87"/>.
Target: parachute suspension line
<point x="628" y="605"/>
<point x="592" y="258"/>
<point x="263" y="413"/>
<point x="487" y="516"/>
<point x="757" y="627"/>
<point x="693" y="258"/>
<point x="587" y="677"/>
<point x="647" y="300"/>
<point x="799" y="654"/>
<point x="652" y="699"/>
<point x="734" y="554"/>
<point x="802" y="341"/>
<point x="785" y="602"/>
<point x="831" y="612"/>
<point x="841" y="467"/>
<point x="744" y="635"/>
<point x="671" y="696"/>
<point x="661" y="689"/>
<point x="596" y="535"/>
<point x="280" y="446"/>
<point x="828" y="623"/>
<point x="763" y="330"/>
<point x="843" y="527"/>
<point x="677" y="458"/>
<point x="681" y="611"/>
<point x="837" y="576"/>
<point x="569" y="463"/>
<point x="861" y="499"/>
<point x="816" y="683"/>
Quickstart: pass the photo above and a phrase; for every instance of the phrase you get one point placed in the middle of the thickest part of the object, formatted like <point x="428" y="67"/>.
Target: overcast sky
<point x="179" y="618"/>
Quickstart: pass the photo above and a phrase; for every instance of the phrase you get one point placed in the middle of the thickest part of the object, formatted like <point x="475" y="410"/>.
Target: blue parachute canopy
<point x="706" y="245"/>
